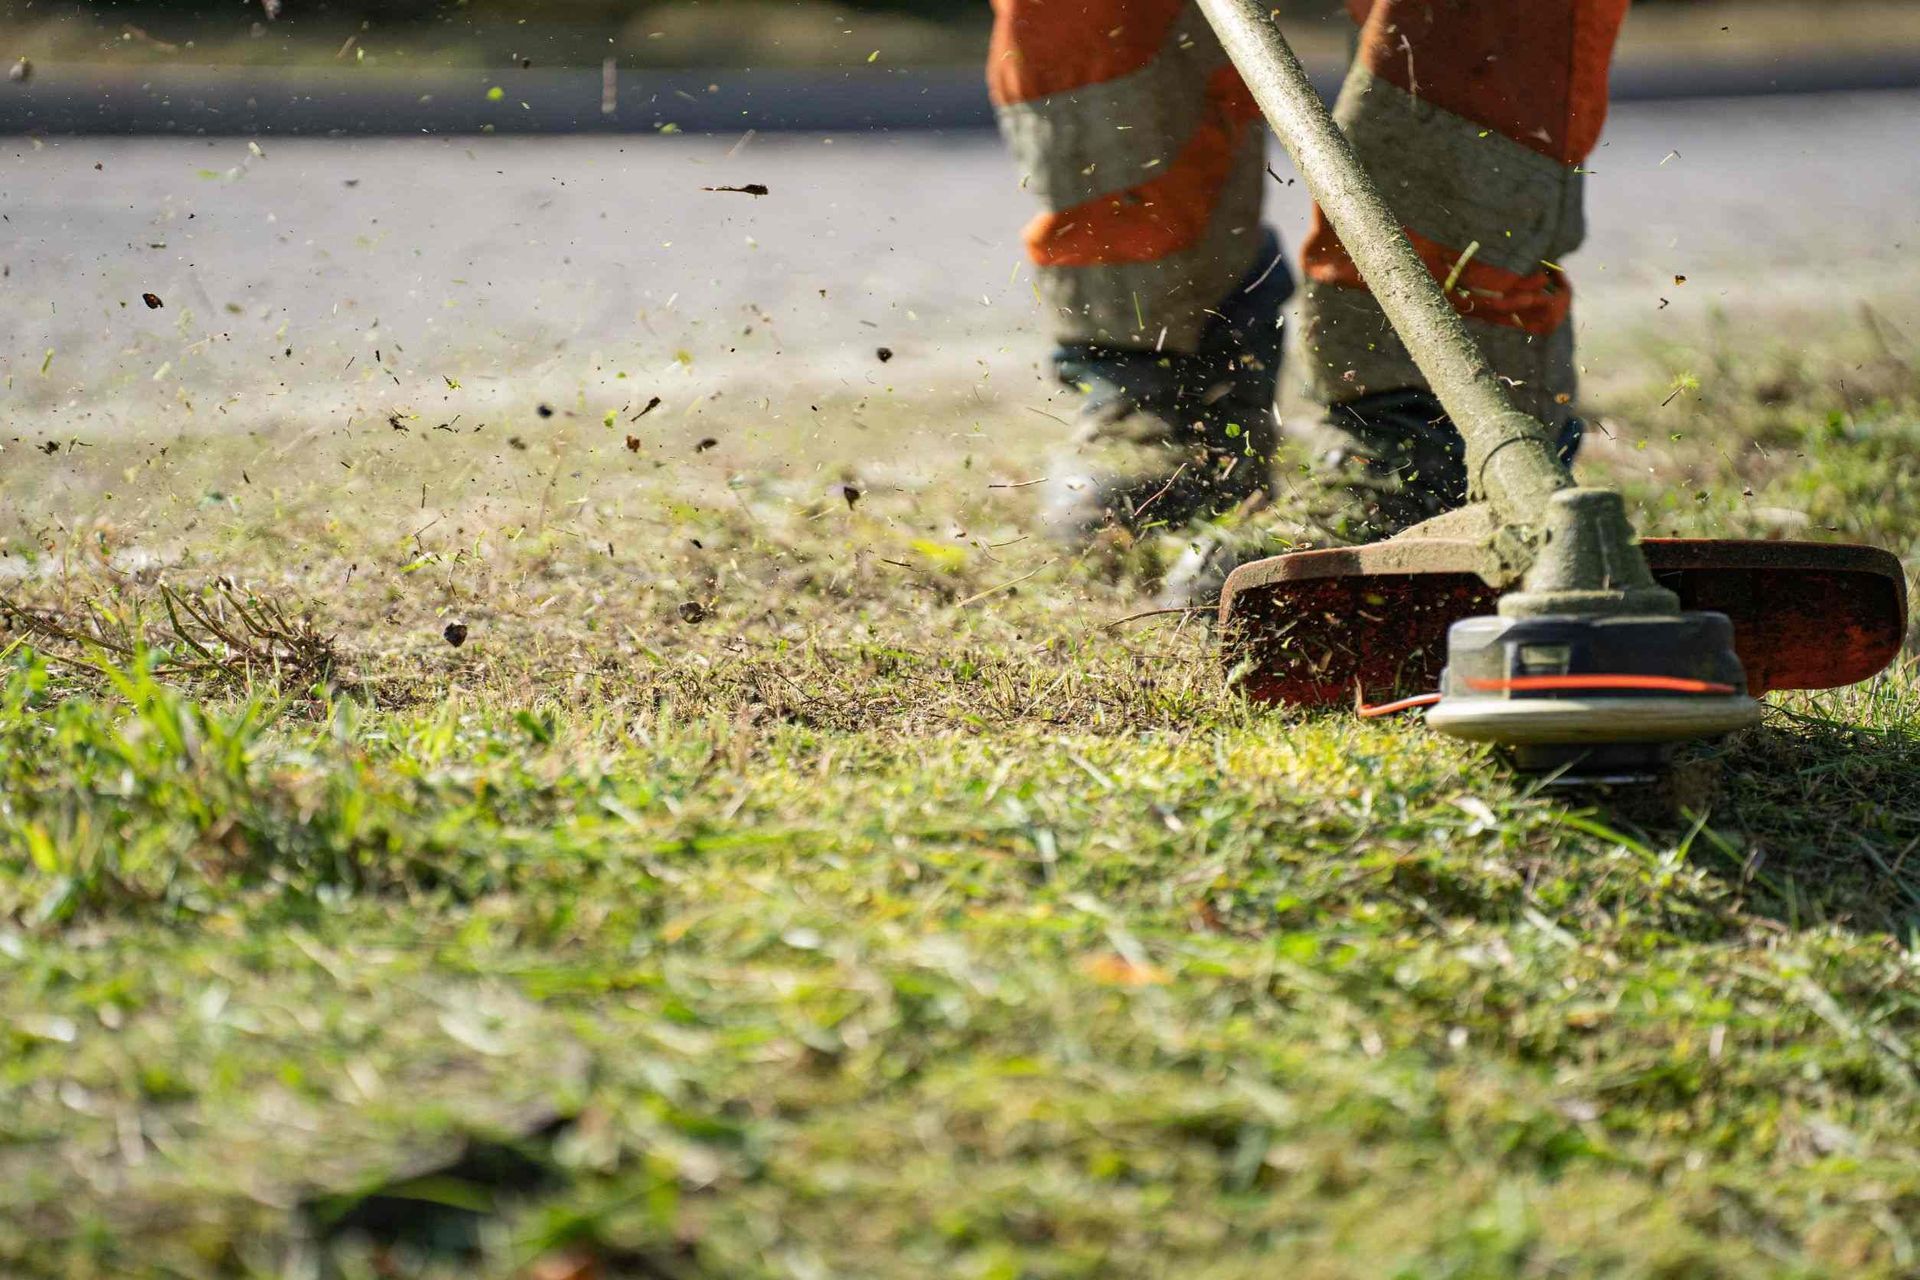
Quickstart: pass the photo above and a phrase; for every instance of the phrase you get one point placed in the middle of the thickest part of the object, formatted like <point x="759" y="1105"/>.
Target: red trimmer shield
<point x="1320" y="628"/>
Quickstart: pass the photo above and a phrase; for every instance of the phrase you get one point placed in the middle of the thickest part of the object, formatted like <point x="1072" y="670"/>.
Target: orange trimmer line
<point x="1556" y="684"/>
<point x="1394" y="708"/>
<point x="1577" y="684"/>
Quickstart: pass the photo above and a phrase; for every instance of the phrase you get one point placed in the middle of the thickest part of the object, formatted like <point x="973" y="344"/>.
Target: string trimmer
<point x="1543" y="624"/>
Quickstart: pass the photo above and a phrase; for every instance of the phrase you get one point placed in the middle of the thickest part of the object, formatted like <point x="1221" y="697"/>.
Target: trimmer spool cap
<point x="1593" y="697"/>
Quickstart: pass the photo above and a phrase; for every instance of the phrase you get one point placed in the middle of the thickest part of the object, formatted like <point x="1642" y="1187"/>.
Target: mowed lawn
<point x="800" y="868"/>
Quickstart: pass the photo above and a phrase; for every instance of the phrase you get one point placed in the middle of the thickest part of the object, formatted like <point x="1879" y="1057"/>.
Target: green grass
<point x="905" y="914"/>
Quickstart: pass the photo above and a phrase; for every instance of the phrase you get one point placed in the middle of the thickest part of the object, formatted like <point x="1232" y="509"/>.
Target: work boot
<point x="1387" y="461"/>
<point x="1165" y="440"/>
<point x="1391" y="460"/>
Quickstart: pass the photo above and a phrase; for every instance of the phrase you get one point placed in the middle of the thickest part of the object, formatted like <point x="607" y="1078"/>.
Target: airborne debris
<point x="755" y="189"/>
<point x="152" y="300"/>
<point x="456" y="633"/>
<point x="693" y="612"/>
<point x="885" y="354"/>
<point x="851" y="493"/>
<point x="544" y="410"/>
<point x="705" y="445"/>
<point x="633" y="444"/>
<point x="646" y="409"/>
<point x="21" y="71"/>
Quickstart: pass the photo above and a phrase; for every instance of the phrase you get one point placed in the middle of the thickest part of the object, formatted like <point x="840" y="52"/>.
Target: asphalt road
<point x="530" y="270"/>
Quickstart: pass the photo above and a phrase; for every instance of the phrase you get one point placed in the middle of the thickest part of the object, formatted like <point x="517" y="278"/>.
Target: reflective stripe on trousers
<point x="1145" y="151"/>
<point x="1141" y="144"/>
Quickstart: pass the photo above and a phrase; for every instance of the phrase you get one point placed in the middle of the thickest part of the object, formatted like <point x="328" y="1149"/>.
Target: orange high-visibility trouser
<point x="1146" y="152"/>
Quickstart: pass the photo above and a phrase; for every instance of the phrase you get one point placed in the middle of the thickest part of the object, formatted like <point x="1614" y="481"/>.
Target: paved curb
<point x="352" y="102"/>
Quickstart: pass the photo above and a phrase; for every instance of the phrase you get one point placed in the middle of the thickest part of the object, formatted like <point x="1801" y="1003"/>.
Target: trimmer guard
<point x="1324" y="628"/>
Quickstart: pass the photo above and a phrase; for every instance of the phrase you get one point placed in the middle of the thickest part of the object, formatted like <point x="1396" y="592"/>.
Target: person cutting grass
<point x="1166" y="292"/>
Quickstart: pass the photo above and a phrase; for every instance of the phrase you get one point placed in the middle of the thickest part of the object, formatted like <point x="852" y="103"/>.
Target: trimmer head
<point x="1593" y="697"/>
<point x="1606" y="647"/>
<point x="1371" y="624"/>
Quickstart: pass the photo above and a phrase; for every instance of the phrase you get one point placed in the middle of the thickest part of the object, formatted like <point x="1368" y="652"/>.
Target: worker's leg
<point x="1163" y="290"/>
<point x="1142" y="146"/>
<point x="1474" y="116"/>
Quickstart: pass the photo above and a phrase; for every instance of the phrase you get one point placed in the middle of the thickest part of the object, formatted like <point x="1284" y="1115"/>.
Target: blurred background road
<point x="348" y="278"/>
<point x="530" y="269"/>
